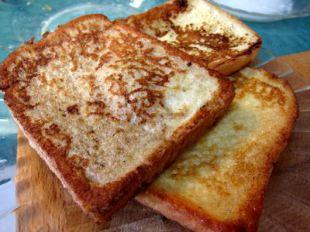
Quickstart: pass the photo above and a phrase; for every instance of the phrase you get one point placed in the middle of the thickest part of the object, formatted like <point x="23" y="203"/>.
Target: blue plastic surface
<point x="286" y="36"/>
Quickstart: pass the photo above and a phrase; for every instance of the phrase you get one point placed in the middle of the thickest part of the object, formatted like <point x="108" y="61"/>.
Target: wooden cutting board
<point x="46" y="206"/>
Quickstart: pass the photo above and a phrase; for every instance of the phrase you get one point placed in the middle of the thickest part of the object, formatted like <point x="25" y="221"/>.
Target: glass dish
<point x="265" y="11"/>
<point x="21" y="20"/>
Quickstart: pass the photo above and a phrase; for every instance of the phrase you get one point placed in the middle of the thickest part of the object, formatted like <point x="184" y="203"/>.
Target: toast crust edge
<point x="102" y="202"/>
<point x="240" y="61"/>
<point x="191" y="216"/>
<point x="225" y="67"/>
<point x="52" y="38"/>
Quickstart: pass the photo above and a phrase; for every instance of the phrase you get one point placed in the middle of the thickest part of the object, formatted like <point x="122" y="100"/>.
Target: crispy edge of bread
<point x="101" y="202"/>
<point x="191" y="216"/>
<point x="48" y="38"/>
<point x="225" y="66"/>
<point x="242" y="59"/>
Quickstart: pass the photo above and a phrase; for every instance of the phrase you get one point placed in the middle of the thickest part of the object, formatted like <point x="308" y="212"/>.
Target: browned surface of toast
<point x="202" y="30"/>
<point x="107" y="107"/>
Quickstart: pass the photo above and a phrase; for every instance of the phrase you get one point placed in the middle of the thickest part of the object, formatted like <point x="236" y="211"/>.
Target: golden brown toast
<point x="218" y="184"/>
<point x="108" y="108"/>
<point x="202" y="30"/>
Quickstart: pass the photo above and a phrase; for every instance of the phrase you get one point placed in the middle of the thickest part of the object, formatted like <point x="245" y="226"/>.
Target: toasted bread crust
<point x="224" y="66"/>
<point x="191" y="216"/>
<point x="238" y="62"/>
<point x="252" y="209"/>
<point x="183" y="211"/>
<point x="102" y="201"/>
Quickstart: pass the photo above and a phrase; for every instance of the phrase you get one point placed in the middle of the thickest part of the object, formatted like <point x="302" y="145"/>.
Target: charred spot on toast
<point x="182" y="3"/>
<point x="73" y="109"/>
<point x="187" y="38"/>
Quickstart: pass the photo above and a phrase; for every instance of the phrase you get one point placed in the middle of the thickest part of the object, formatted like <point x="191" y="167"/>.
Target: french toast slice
<point x="218" y="184"/>
<point x="202" y="30"/>
<point x="108" y="108"/>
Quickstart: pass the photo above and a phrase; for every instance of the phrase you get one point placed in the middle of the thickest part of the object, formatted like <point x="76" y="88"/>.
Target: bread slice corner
<point x="202" y="30"/>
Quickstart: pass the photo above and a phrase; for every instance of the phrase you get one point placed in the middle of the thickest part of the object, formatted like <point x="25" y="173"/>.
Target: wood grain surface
<point x="46" y="206"/>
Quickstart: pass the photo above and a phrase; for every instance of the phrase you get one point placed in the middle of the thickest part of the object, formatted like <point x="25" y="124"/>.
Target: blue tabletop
<point x="286" y="36"/>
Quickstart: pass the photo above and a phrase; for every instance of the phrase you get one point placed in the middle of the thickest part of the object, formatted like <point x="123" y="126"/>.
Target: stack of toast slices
<point x="143" y="107"/>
